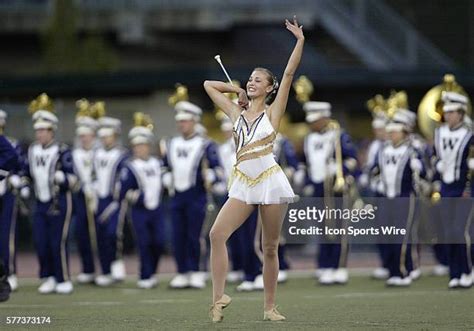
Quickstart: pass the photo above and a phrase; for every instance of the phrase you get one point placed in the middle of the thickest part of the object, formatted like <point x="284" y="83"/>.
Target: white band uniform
<point x="256" y="177"/>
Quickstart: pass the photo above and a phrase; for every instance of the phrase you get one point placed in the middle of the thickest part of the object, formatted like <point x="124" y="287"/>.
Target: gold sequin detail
<point x="254" y="155"/>
<point x="237" y="174"/>
<point x="259" y="143"/>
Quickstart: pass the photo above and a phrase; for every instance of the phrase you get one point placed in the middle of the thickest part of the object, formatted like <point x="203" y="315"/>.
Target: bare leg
<point x="272" y="221"/>
<point x="231" y="216"/>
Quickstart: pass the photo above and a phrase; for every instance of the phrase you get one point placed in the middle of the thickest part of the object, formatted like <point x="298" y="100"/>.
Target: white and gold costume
<point x="256" y="176"/>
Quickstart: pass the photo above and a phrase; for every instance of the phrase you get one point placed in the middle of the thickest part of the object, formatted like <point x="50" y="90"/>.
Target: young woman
<point x="257" y="180"/>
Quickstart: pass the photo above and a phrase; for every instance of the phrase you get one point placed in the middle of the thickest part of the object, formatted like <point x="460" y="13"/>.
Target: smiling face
<point x="260" y="84"/>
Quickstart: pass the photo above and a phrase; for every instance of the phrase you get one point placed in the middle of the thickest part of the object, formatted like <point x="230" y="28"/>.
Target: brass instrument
<point x="340" y="183"/>
<point x="430" y="110"/>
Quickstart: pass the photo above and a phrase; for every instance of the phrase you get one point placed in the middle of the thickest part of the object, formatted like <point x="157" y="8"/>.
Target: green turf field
<point x="363" y="304"/>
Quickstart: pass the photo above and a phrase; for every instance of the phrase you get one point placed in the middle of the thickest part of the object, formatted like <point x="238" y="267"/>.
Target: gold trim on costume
<point x="253" y="155"/>
<point x="236" y="173"/>
<point x="261" y="142"/>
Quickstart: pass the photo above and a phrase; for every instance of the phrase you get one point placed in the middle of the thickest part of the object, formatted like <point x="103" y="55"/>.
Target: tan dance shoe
<point x="216" y="309"/>
<point x="273" y="315"/>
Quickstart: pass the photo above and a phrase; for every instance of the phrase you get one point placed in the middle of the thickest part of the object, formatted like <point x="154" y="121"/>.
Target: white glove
<point x="219" y="188"/>
<point x="25" y="192"/>
<point x="59" y="177"/>
<point x="289" y="171"/>
<point x="380" y="187"/>
<point x="308" y="190"/>
<point x="332" y="168"/>
<point x="350" y="163"/>
<point x="299" y="177"/>
<point x="108" y="211"/>
<point x="91" y="196"/>
<point x="364" y="180"/>
<point x="440" y="166"/>
<point x="132" y="196"/>
<point x="15" y="181"/>
<point x="470" y="163"/>
<point x="210" y="176"/>
<point x="168" y="180"/>
<point x="416" y="165"/>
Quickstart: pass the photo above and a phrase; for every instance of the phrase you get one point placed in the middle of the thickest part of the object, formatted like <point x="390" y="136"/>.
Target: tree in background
<point x="63" y="49"/>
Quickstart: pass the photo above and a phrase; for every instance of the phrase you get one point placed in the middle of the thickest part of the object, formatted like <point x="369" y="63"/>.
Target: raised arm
<point x="278" y="107"/>
<point x="216" y="90"/>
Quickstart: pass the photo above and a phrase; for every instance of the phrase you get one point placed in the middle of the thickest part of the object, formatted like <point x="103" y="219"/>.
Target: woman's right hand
<point x="243" y="99"/>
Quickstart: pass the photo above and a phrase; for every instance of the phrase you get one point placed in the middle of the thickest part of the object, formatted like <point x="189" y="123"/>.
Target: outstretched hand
<point x="296" y="29"/>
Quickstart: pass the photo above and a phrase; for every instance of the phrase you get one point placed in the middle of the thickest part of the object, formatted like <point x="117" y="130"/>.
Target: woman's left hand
<point x="296" y="29"/>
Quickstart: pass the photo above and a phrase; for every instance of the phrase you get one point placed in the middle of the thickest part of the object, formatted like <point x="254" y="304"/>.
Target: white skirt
<point x="275" y="189"/>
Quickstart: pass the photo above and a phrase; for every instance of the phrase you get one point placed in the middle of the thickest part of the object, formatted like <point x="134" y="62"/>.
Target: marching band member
<point x="108" y="162"/>
<point x="320" y="147"/>
<point x="398" y="163"/>
<point x="141" y="189"/>
<point x="452" y="144"/>
<point x="85" y="198"/>
<point x="50" y="168"/>
<point x="374" y="183"/>
<point x="193" y="169"/>
<point x="10" y="187"/>
<point x="8" y="162"/>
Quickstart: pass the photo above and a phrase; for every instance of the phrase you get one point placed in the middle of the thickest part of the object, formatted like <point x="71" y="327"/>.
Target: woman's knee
<point x="270" y="250"/>
<point x="217" y="236"/>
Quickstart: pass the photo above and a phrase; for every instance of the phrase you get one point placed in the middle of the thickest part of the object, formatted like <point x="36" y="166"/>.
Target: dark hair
<point x="273" y="81"/>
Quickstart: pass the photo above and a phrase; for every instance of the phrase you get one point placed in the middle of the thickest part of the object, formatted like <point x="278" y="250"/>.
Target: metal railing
<point x="398" y="36"/>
